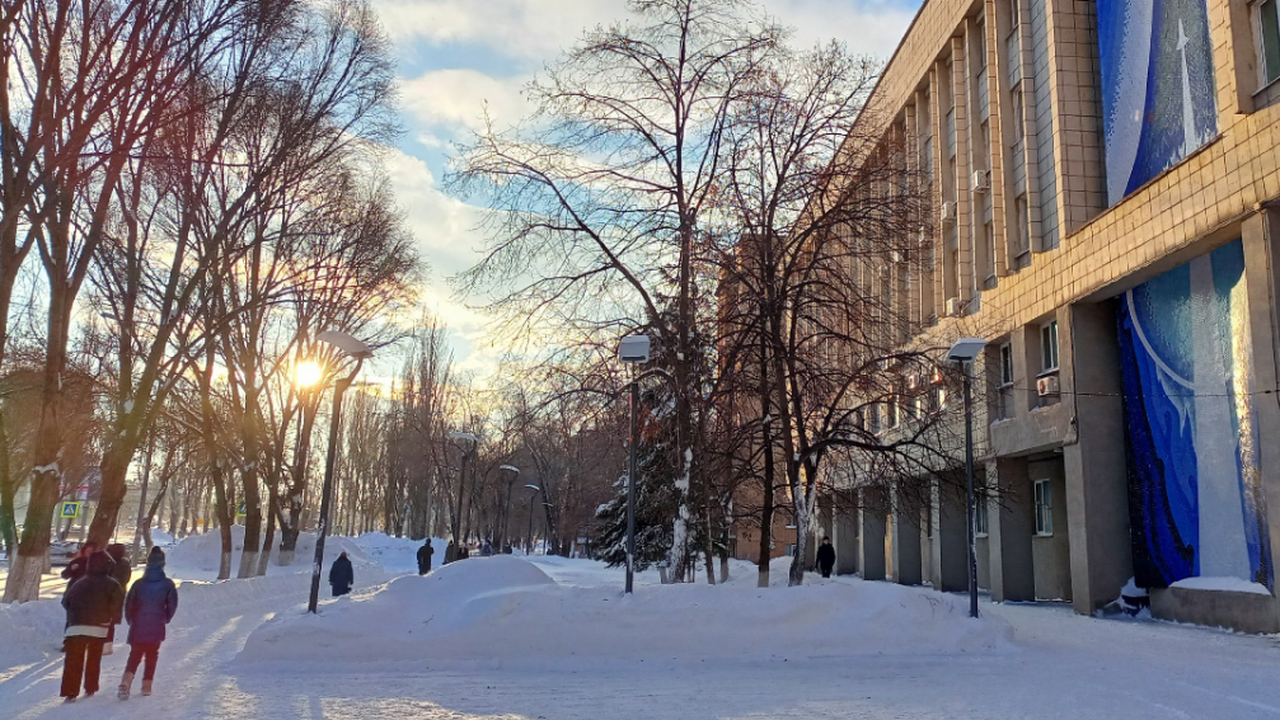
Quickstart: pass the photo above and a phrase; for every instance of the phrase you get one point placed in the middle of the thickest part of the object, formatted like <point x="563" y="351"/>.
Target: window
<point x="1266" y="16"/>
<point x="928" y="157"/>
<point x="942" y="396"/>
<point x="980" y="527"/>
<point x="989" y="240"/>
<point x="1022" y="225"/>
<point x="1049" y="346"/>
<point x="1044" y="507"/>
<point x="1006" y="364"/>
<point x="891" y="411"/>
<point x="1019" y="112"/>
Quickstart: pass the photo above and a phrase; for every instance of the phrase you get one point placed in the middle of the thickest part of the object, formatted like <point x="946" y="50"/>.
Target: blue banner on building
<point x="1157" y="87"/>
<point x="1195" y="496"/>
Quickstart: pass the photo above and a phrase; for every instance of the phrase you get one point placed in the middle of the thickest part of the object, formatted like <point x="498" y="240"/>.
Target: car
<point x="61" y="551"/>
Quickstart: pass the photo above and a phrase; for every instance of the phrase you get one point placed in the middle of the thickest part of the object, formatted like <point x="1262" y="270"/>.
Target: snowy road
<point x="1060" y="666"/>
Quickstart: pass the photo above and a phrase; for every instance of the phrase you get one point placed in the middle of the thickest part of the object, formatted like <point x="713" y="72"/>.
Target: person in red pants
<point x="93" y="605"/>
<point x="151" y="604"/>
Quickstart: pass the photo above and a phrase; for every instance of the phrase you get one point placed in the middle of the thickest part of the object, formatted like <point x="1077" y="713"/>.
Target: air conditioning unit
<point x="1047" y="386"/>
<point x="948" y="214"/>
<point x="981" y="180"/>
<point x="955" y="308"/>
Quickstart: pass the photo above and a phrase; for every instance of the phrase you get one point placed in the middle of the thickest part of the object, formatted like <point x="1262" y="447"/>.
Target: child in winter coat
<point x="150" y="606"/>
<point x="93" y="605"/>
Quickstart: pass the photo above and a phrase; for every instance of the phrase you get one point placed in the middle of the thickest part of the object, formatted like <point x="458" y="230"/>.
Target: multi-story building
<point x="1106" y="177"/>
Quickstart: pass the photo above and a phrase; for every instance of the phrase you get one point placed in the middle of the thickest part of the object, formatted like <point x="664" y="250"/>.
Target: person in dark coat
<point x="450" y="552"/>
<point x="149" y="606"/>
<point x="826" y="557"/>
<point x="79" y="565"/>
<point x="424" y="557"/>
<point x="486" y="550"/>
<point x="93" y="604"/>
<point x="341" y="575"/>
<point x="121" y="571"/>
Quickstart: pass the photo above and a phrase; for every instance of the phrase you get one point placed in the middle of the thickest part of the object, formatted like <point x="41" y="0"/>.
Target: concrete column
<point x="871" y="514"/>
<point x="1261" y="239"/>
<point x="844" y="536"/>
<point x="950" y="539"/>
<point x="1010" y="523"/>
<point x="1096" y="479"/>
<point x="906" y="537"/>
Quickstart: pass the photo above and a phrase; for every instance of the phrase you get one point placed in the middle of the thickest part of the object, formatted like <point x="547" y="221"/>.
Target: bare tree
<point x="604" y="190"/>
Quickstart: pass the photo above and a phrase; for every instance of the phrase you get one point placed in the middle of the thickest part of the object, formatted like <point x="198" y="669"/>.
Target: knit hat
<point x="156" y="556"/>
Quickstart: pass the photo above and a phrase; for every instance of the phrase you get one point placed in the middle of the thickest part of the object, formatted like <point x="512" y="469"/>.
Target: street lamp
<point x="633" y="350"/>
<point x="528" y="535"/>
<point x="506" y="511"/>
<point x="472" y="441"/>
<point x="358" y="350"/>
<point x="963" y="353"/>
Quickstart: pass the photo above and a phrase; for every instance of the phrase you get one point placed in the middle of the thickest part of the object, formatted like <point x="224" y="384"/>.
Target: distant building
<point x="1105" y="177"/>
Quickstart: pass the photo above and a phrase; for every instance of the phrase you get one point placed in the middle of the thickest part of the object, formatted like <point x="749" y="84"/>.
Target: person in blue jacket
<point x="148" y="608"/>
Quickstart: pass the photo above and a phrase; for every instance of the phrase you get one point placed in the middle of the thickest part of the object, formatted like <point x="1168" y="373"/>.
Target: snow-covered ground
<point x="514" y="638"/>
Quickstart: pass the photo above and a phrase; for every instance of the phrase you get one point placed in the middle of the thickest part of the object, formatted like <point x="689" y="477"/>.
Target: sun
<point x="307" y="373"/>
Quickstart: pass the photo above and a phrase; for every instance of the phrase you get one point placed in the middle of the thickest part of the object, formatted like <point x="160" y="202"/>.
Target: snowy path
<point x="1062" y="666"/>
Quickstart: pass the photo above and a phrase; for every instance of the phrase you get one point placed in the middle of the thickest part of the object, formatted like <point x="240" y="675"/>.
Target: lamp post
<point x="528" y="537"/>
<point x="963" y="353"/>
<point x="354" y="348"/>
<point x="506" y="511"/>
<point x="632" y="350"/>
<point x="472" y="441"/>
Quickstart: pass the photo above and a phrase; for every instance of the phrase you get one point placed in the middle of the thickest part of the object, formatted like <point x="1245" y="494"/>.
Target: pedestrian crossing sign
<point x="70" y="509"/>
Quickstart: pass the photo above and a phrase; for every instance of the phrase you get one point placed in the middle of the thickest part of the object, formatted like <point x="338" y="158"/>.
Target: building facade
<point x="1106" y="177"/>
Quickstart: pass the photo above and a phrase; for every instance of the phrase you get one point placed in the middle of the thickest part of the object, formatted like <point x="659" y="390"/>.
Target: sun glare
<point x="307" y="373"/>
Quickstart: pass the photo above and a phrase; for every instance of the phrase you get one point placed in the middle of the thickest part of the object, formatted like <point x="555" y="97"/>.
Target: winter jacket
<point x="826" y="555"/>
<point x="341" y="576"/>
<point x="93" y="602"/>
<point x="76" y="569"/>
<point x="120" y="570"/>
<point x="424" y="558"/>
<point x="151" y="604"/>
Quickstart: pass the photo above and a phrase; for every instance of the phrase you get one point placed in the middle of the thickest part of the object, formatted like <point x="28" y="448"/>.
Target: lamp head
<point x="634" y="349"/>
<point x="966" y="349"/>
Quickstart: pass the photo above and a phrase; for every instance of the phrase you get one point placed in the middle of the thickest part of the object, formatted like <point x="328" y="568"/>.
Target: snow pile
<point x="29" y="631"/>
<point x="506" y="608"/>
<point x="160" y="537"/>
<point x="398" y="554"/>
<point x="197" y="557"/>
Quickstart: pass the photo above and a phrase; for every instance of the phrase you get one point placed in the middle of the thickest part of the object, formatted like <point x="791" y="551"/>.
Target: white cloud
<point x="531" y="30"/>
<point x="444" y="228"/>
<point x="535" y="31"/>
<point x="873" y="28"/>
<point x="457" y="99"/>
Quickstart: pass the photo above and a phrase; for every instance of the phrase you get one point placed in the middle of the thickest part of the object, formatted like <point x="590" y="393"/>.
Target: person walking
<point x="79" y="565"/>
<point x="93" y="604"/>
<point x="826" y="557"/>
<point x="424" y="557"/>
<point x="149" y="606"/>
<point x="121" y="571"/>
<point x="450" y="552"/>
<point x="486" y="550"/>
<point x="341" y="575"/>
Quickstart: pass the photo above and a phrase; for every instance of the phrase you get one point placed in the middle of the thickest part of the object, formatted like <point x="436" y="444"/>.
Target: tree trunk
<point x="46" y="476"/>
<point x="265" y="557"/>
<point x="114" y="468"/>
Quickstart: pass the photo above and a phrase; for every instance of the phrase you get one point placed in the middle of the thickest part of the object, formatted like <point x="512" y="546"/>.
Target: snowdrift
<point x="197" y="556"/>
<point x="397" y="554"/>
<point x="505" y="608"/>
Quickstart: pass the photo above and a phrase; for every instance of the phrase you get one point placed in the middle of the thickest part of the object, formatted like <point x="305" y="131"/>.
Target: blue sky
<point x="455" y="57"/>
